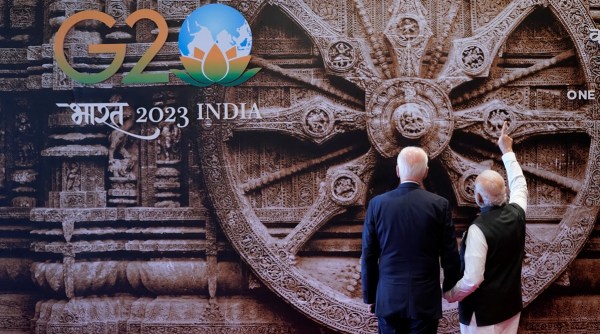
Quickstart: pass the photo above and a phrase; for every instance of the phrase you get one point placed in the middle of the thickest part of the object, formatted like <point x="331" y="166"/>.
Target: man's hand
<point x="448" y="296"/>
<point x="505" y="142"/>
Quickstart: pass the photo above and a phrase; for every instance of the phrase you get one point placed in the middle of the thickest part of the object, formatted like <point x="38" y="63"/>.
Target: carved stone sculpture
<point x="254" y="225"/>
<point x="414" y="95"/>
<point x="168" y="157"/>
<point x="168" y="142"/>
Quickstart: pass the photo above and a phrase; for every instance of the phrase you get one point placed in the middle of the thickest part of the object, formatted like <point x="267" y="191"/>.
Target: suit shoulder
<point x="383" y="197"/>
<point x="376" y="199"/>
<point x="433" y="197"/>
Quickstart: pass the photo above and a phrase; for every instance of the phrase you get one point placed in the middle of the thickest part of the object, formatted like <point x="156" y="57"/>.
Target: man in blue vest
<point x="407" y="233"/>
<point x="489" y="293"/>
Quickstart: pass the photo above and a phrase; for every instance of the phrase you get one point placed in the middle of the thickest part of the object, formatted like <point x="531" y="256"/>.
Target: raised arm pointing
<point x="516" y="180"/>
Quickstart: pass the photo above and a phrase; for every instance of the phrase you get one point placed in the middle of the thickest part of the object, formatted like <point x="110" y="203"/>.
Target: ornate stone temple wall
<point x="253" y="225"/>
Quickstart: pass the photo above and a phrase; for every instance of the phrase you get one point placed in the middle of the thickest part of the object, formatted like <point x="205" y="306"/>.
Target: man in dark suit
<point x="406" y="232"/>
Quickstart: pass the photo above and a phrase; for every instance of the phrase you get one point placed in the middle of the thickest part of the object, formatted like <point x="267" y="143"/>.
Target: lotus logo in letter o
<point x="215" y="42"/>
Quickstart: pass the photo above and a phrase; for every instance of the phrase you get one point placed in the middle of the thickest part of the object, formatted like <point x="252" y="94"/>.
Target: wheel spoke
<point x="554" y="178"/>
<point x="344" y="57"/>
<point x="509" y="78"/>
<point x="462" y="172"/>
<point x="265" y="180"/>
<point x="317" y="121"/>
<point x="442" y="39"/>
<point x="568" y="183"/>
<point x="408" y="33"/>
<point x="319" y="85"/>
<point x="345" y="186"/>
<point x="377" y="47"/>
<point x="486" y="121"/>
<point x="472" y="57"/>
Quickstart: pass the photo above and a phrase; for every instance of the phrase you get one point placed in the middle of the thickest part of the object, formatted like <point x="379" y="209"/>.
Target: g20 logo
<point x="214" y="41"/>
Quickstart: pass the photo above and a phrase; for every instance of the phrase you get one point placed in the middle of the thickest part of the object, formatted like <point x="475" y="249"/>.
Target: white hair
<point x="412" y="163"/>
<point x="491" y="187"/>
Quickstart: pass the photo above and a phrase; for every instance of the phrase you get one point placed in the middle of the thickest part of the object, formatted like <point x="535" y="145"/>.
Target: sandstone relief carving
<point x="254" y="225"/>
<point x="453" y="110"/>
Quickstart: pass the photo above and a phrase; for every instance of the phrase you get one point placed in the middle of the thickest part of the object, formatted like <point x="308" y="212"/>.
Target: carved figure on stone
<point x="411" y="120"/>
<point x="317" y="121"/>
<point x="495" y="119"/>
<point x="473" y="57"/>
<point x="118" y="146"/>
<point x="408" y="28"/>
<point x="25" y="148"/>
<point x="73" y="176"/>
<point x="25" y="153"/>
<point x="118" y="139"/>
<point x="23" y="124"/>
<point x="168" y="141"/>
<point x="344" y="187"/>
<point x="122" y="167"/>
<point x="341" y="56"/>
<point x="117" y="9"/>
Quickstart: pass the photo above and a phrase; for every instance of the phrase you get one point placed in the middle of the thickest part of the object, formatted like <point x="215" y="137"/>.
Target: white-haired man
<point x="406" y="233"/>
<point x="489" y="293"/>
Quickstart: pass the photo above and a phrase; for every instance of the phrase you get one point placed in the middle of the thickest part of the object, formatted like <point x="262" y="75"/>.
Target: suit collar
<point x="409" y="185"/>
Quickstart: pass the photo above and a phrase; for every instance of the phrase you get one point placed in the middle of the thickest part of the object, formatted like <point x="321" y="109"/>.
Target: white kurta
<point x="476" y="252"/>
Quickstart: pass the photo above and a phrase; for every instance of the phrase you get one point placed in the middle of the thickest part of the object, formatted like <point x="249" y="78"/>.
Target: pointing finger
<point x="503" y="129"/>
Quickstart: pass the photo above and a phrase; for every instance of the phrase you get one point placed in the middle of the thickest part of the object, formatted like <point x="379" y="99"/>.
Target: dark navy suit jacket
<point x="407" y="233"/>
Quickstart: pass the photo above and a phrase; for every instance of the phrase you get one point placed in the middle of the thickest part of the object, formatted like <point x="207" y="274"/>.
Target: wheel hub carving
<point x="412" y="120"/>
<point x="405" y="112"/>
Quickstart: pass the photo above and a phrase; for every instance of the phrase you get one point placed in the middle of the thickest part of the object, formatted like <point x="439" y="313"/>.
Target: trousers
<point x="396" y="325"/>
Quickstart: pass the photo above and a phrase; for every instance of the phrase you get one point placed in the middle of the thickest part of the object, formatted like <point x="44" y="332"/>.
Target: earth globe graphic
<point x="215" y="24"/>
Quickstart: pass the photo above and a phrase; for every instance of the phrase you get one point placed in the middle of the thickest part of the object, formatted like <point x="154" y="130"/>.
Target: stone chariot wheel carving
<point x="291" y="200"/>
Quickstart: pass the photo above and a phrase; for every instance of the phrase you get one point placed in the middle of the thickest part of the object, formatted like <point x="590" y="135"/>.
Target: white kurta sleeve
<point x="475" y="255"/>
<point x="516" y="180"/>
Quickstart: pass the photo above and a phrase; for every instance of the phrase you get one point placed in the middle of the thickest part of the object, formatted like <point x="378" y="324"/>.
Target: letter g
<point x="117" y="49"/>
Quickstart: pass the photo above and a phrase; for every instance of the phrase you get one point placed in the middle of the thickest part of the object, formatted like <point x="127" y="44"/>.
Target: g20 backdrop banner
<point x="173" y="166"/>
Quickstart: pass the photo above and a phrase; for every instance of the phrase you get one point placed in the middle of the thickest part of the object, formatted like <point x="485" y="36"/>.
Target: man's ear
<point x="478" y="199"/>
<point x="426" y="173"/>
<point x="397" y="171"/>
